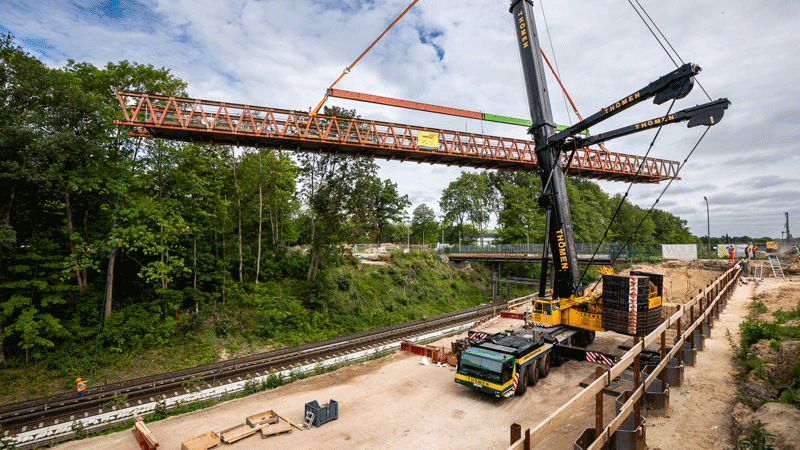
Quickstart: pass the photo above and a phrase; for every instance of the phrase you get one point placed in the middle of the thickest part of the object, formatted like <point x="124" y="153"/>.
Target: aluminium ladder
<point x="776" y="266"/>
<point x="757" y="272"/>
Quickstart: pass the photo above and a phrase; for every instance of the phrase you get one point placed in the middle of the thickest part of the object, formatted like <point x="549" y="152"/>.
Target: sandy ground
<point x="397" y="403"/>
<point x="700" y="410"/>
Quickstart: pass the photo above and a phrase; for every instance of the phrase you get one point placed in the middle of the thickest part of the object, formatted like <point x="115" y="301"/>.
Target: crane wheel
<point x="534" y="373"/>
<point x="544" y="366"/>
<point x="585" y="337"/>
<point x="522" y="385"/>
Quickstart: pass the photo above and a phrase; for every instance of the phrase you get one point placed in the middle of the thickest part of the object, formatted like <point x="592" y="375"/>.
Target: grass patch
<point x="784" y="369"/>
<point x="759" y="306"/>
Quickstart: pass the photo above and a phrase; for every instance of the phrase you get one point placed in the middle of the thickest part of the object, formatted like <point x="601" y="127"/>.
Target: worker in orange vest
<point x="81" y="386"/>
<point x="731" y="251"/>
<point x="755" y="255"/>
<point x="747" y="251"/>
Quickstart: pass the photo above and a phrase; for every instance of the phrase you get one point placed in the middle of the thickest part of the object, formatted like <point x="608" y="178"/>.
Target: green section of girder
<point x="523" y="122"/>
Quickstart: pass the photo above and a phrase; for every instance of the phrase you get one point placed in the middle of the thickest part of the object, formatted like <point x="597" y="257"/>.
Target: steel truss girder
<point x="203" y="121"/>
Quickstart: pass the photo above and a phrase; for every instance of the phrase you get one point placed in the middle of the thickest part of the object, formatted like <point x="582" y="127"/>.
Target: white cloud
<point x="285" y="54"/>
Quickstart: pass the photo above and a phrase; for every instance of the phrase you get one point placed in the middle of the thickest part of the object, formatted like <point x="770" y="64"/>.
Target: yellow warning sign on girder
<point x="428" y="139"/>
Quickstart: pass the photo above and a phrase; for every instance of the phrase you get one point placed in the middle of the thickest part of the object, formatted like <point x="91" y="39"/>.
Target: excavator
<point x="565" y="321"/>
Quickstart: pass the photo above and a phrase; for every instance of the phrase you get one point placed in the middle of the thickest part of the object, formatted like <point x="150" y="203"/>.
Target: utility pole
<point x="708" y="220"/>
<point x="788" y="234"/>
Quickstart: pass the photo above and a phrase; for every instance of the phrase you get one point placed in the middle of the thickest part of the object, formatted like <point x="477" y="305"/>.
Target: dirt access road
<point x="397" y="403"/>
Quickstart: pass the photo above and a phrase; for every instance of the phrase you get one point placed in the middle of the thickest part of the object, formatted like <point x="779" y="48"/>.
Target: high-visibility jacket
<point x="81" y="386"/>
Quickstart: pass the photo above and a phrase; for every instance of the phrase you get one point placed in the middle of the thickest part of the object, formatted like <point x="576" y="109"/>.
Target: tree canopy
<point x="147" y="235"/>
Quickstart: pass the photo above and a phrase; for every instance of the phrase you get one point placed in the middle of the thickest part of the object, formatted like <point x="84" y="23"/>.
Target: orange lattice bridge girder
<point x="204" y="121"/>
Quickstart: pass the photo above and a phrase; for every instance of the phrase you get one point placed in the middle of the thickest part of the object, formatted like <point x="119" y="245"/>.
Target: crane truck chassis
<point x="504" y="364"/>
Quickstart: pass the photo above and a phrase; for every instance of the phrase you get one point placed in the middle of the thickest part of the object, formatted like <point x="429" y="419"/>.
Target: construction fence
<point x="650" y="388"/>
<point x="614" y="250"/>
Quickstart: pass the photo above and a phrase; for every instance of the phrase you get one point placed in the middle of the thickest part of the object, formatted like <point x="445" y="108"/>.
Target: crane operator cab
<point x="546" y="312"/>
<point x="488" y="371"/>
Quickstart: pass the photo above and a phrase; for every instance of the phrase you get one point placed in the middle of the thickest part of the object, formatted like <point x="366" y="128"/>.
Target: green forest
<point x="131" y="251"/>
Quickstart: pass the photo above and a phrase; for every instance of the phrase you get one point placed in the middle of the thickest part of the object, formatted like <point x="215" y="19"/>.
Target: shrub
<point x="753" y="330"/>
<point x="160" y="411"/>
<point x="78" y="430"/>
<point x="264" y="330"/>
<point x="222" y="327"/>
<point x="274" y="380"/>
<point x="759" y="305"/>
<point x="137" y="326"/>
<point x="6" y="443"/>
<point x="192" y="322"/>
<point x="756" y="438"/>
<point x="782" y="316"/>
<point x="252" y="386"/>
<point x="344" y="283"/>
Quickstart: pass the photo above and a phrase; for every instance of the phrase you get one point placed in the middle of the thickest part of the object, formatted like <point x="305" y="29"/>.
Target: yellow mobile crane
<point x="505" y="363"/>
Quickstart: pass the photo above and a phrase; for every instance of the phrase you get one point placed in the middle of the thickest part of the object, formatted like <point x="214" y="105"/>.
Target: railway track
<point x="47" y="420"/>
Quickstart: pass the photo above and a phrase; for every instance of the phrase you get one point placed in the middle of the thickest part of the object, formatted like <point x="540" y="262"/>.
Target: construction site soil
<point x="396" y="402"/>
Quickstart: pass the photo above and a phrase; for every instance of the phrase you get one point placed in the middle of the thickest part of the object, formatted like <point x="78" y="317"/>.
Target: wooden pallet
<point x="262" y="418"/>
<point x="202" y="442"/>
<point x="276" y="429"/>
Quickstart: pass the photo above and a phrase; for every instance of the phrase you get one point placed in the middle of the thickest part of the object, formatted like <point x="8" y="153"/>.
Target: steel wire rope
<point x="557" y="71"/>
<point x="630" y="185"/>
<point x="108" y="268"/>
<point x="653" y="33"/>
<point x="347" y="69"/>
<point x="614" y="259"/>
<point x="687" y="203"/>
<point x="659" y="40"/>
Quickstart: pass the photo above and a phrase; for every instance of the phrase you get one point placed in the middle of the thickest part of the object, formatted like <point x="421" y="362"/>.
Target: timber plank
<point x="238" y="432"/>
<point x="276" y="429"/>
<point x="299" y="426"/>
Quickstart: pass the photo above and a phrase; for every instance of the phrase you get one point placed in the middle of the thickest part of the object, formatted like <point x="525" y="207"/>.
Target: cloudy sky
<point x="463" y="54"/>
